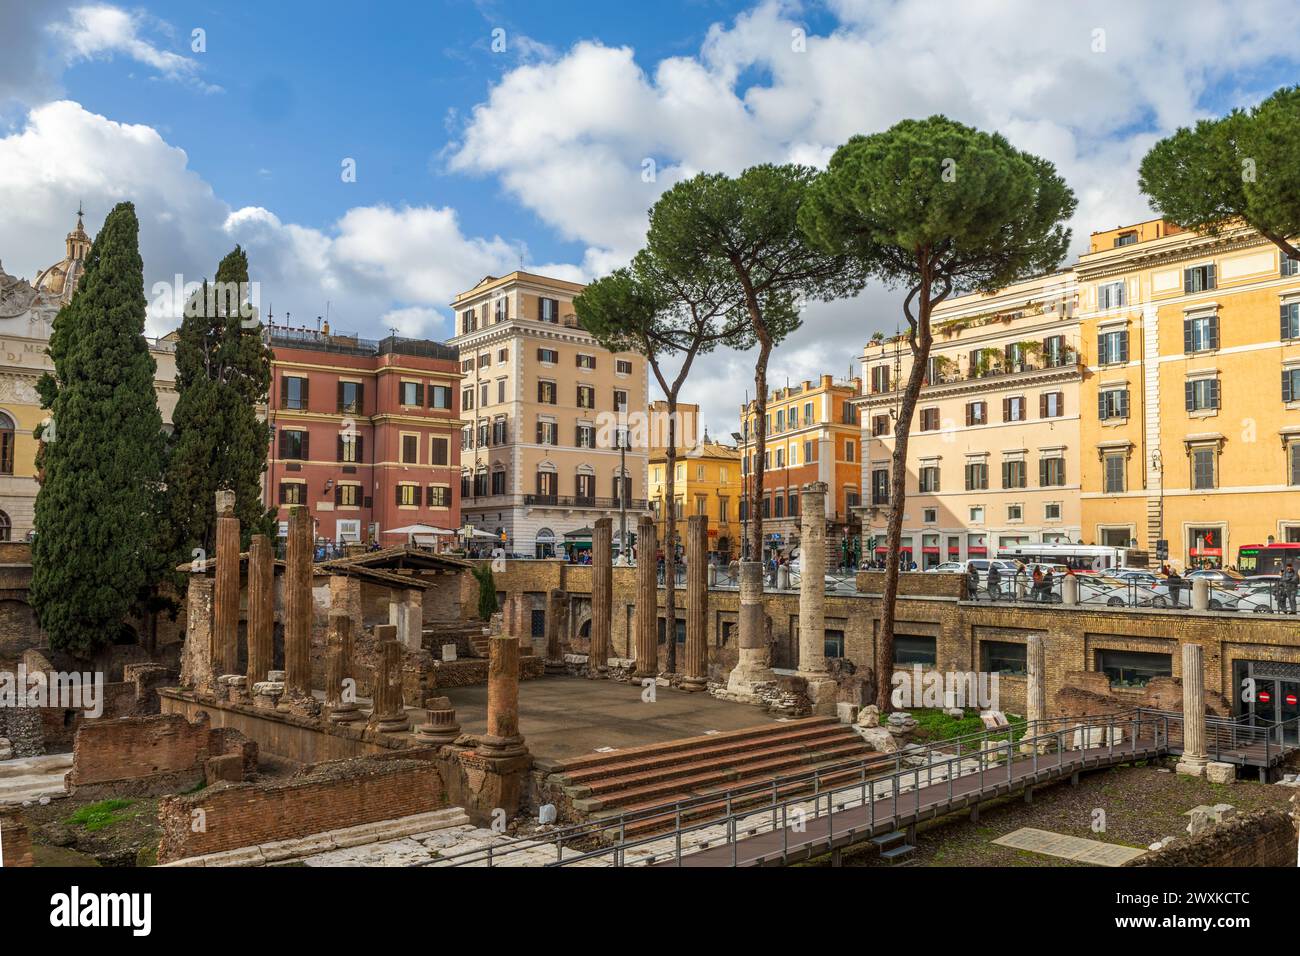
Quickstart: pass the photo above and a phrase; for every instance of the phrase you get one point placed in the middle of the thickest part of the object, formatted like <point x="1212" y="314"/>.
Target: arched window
<point x="6" y="444"/>
<point x="6" y="527"/>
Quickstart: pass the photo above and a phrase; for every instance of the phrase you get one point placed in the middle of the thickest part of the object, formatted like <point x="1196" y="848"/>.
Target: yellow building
<point x="1191" y="396"/>
<point x="993" y="458"/>
<point x="27" y="312"/>
<point x="708" y="483"/>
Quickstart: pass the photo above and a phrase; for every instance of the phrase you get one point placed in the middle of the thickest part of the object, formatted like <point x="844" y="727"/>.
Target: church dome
<point x="59" y="281"/>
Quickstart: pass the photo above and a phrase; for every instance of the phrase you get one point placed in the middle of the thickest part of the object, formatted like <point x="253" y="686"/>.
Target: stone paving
<point x="30" y="778"/>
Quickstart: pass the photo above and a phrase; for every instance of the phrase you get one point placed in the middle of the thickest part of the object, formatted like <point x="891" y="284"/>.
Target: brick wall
<point x="15" y="838"/>
<point x="143" y="755"/>
<point x="1260" y="838"/>
<point x="1073" y="635"/>
<point x="325" y="797"/>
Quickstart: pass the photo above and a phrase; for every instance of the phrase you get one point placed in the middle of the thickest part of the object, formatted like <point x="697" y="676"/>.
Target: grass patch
<point x="934" y="725"/>
<point x="97" y="816"/>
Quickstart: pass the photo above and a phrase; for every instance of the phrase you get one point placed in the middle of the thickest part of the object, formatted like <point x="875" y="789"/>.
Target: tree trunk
<point x="897" y="500"/>
<point x="670" y="541"/>
<point x="760" y="445"/>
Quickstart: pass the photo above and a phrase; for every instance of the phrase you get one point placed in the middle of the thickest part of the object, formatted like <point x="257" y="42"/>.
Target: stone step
<point x="568" y="769"/>
<point x="638" y="762"/>
<point x="665" y="769"/>
<point x="708" y="779"/>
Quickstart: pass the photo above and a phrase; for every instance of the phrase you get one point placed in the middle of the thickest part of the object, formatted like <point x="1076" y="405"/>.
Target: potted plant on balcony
<point x="944" y="367"/>
<point x="990" y="361"/>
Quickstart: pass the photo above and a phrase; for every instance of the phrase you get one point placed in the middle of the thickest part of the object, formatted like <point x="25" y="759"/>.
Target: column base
<point x="1191" y="765"/>
<point x="553" y="666"/>
<point x="694" y="685"/>
<point x="391" y="724"/>
<point x="498" y="748"/>
<point x="347" y="714"/>
<point x="750" y="674"/>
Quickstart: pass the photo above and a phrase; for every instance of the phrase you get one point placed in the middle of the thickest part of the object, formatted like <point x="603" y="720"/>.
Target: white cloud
<point x="101" y="31"/>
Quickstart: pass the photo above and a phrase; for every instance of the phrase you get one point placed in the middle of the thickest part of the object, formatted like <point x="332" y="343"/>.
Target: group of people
<point x="1038" y="584"/>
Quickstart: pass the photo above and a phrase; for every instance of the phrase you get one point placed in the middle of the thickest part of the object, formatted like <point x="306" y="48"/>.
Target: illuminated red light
<point x="1265" y="697"/>
<point x="1291" y="699"/>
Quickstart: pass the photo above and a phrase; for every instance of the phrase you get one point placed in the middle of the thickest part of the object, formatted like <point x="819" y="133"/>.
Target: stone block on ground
<point x="1217" y="772"/>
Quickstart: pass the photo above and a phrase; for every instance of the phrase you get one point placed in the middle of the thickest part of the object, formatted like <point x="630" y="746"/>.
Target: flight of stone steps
<point x="630" y="782"/>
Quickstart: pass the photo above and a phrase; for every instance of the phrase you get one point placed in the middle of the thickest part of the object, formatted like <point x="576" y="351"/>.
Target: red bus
<point x="1253" y="559"/>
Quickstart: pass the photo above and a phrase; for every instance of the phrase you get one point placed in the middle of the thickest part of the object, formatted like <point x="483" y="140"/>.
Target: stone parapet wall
<point x="1259" y="838"/>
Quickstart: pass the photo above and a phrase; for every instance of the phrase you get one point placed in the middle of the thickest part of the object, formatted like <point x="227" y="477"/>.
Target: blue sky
<point x="468" y="159"/>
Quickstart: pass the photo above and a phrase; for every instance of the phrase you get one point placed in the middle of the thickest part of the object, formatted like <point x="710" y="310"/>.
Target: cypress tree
<point x="223" y="372"/>
<point x="95" y="554"/>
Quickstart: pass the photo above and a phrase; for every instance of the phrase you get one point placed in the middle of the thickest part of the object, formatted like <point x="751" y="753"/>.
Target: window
<point x="977" y="475"/>
<point x="293" y="493"/>
<point x="1199" y="278"/>
<point x="467" y="400"/>
<point x="546" y="393"/>
<point x="548" y="310"/>
<point x="347" y="496"/>
<point x="483" y="396"/>
<point x="501" y="390"/>
<point x="585" y="487"/>
<point x="440" y="396"/>
<point x="780" y="420"/>
<point x="1013" y="408"/>
<point x="350" y="397"/>
<point x="293" y="444"/>
<point x="623" y="367"/>
<point x="503" y="356"/>
<point x="1003" y="657"/>
<point x="438" y="451"/>
<point x="466" y="438"/>
<point x="977" y="413"/>
<point x="586" y="361"/>
<point x="1291" y="384"/>
<point x="1055" y="354"/>
<point x="586" y="396"/>
<point x="880" y="378"/>
<point x="1013" y="474"/>
<point x="1133" y="668"/>
<point x="548" y="356"/>
<point x="1291" y="320"/>
<point x="928" y="479"/>
<point x="1201" y="394"/>
<point x="977" y="514"/>
<point x="1015" y="512"/>
<point x="913" y="649"/>
<point x="620" y="400"/>
<point x="1203" y="461"/>
<point x="1126" y="239"/>
<point x="929" y="419"/>
<point x="1290" y="267"/>
<point x="411" y="393"/>
<point x="293" y="392"/>
<point x="1051" y="472"/>
<point x="1112" y="403"/>
<point x="483" y="435"/>
<point x="1051" y="405"/>
<point x="780" y="457"/>
<point x="850" y="450"/>
<point x="1052" y="511"/>
<point x="548" y="433"/>
<point x="1200" y="333"/>
<point x="480" y="484"/>
<point x="408" y="496"/>
<point x="879" y="425"/>
<point x="1013" y="356"/>
<point x="410" y="449"/>
<point x="779" y="506"/>
<point x="467" y="321"/>
<point x="498" y="482"/>
<point x="833" y="643"/>
<point x="547" y="483"/>
<point x="1293" y="459"/>
<point x="880" y="486"/>
<point x="499" y="431"/>
<point x="6" y="527"/>
<point x="929" y="515"/>
<point x="586" y="436"/>
<point x="794" y="416"/>
<point x="501" y="310"/>
<point x="1114" y="472"/>
<point x="350" y="447"/>
<point x="484" y="359"/>
<point x="809" y="451"/>
<point x="1112" y="347"/>
<point x="6" y="445"/>
<point x="1110" y="296"/>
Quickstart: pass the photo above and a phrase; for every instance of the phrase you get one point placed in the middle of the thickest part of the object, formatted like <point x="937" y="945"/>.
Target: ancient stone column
<point x="261" y="609"/>
<point x="298" y="609"/>
<point x="388" y="715"/>
<point x="340" y="681"/>
<point x="405" y="612"/>
<point x="752" y="665"/>
<point x="646" y="613"/>
<point x="442" y="726"/>
<point x="557" y="612"/>
<point x="602" y="595"/>
<point x="697" y="603"/>
<point x="1035" y="690"/>
<point x="1194" y="758"/>
<point x="502" y="738"/>
<point x="812" y="599"/>
<point x="225" y="626"/>
<point x="196" y="654"/>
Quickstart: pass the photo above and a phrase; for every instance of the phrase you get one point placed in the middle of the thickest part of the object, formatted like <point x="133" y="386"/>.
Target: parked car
<point x="948" y="567"/>
<point x="1221" y="577"/>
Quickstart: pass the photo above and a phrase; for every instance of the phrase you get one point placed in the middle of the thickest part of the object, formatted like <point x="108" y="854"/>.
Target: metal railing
<point x="1078" y="738"/>
<point x="1100" y="591"/>
<point x="1232" y="740"/>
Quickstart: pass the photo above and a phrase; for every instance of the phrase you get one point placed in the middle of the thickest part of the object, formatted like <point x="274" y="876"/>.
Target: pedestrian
<point x="1047" y="586"/>
<point x="1022" y="581"/>
<point x="1289" y="584"/>
<point x="972" y="581"/>
<point x="995" y="582"/>
<point x="1175" y="584"/>
<point x="1038" y="584"/>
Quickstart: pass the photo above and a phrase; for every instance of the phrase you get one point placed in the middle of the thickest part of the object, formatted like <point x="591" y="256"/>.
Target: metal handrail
<point x="1082" y="728"/>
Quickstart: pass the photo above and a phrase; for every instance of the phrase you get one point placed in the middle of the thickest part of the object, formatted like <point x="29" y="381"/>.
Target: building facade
<point x="1191" y="432"/>
<point x="812" y="435"/>
<point x="994" y="454"/>
<point x="365" y="433"/>
<point x="27" y="312"/>
<point x="707" y="483"/>
<point x="544" y="408"/>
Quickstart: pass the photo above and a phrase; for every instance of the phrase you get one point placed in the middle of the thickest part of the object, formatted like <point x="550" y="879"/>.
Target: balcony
<point x="583" y="502"/>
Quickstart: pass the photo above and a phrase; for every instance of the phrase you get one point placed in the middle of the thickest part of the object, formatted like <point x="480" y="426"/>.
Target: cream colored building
<point x="540" y="459"/>
<point x="27" y="312"/>
<point x="994" y="454"/>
